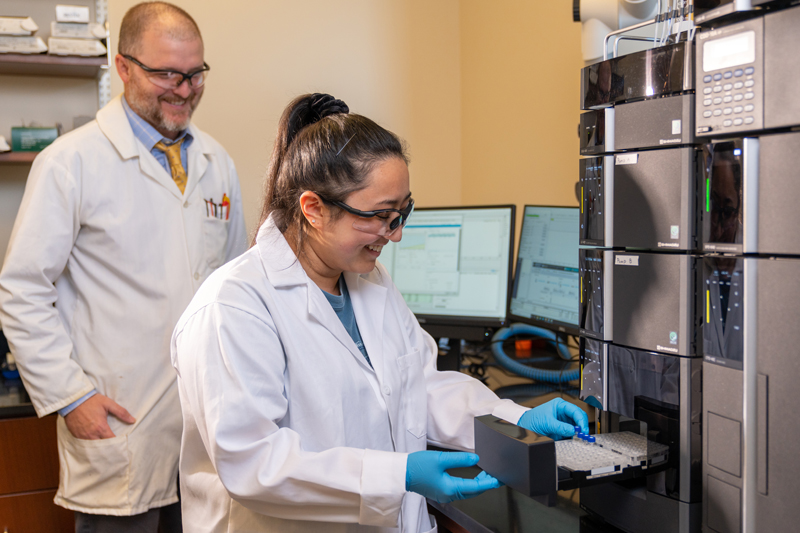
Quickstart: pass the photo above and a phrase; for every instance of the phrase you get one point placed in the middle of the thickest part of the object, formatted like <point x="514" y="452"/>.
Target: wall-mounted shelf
<point x="47" y="65"/>
<point x="17" y="157"/>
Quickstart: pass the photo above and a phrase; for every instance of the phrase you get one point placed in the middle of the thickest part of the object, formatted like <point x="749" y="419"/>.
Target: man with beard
<point x="121" y="222"/>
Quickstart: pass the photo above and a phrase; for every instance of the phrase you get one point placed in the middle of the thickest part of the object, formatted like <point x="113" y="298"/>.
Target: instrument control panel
<point x="730" y="79"/>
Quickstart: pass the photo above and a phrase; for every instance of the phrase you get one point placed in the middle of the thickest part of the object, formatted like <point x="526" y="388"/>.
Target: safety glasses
<point x="383" y="222"/>
<point x="172" y="79"/>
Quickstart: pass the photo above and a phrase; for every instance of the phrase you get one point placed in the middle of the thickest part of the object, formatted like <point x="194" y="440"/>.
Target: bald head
<point x="161" y="17"/>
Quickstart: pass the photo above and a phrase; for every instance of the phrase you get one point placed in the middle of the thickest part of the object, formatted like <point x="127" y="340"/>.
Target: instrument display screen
<point x="727" y="52"/>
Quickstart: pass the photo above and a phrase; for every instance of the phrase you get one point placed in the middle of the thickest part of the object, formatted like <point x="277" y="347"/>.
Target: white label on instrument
<point x="627" y="260"/>
<point x="676" y="127"/>
<point x="603" y="470"/>
<point x="626" y="159"/>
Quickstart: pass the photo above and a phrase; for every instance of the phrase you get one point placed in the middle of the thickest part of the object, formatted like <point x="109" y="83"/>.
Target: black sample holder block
<point x="527" y="462"/>
<point x="521" y="459"/>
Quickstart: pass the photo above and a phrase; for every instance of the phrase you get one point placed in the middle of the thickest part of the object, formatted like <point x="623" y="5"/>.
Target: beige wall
<point x="484" y="92"/>
<point x="395" y="61"/>
<point x="520" y="75"/>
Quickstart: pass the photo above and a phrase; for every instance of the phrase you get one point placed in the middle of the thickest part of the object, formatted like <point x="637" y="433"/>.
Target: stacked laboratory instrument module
<point x="689" y="273"/>
<point x="640" y="272"/>
<point x="747" y="115"/>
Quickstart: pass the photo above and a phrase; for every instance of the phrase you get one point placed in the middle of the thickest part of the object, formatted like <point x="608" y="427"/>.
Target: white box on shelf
<point x="73" y="30"/>
<point x="22" y="45"/>
<point x="75" y="47"/>
<point x="17" y="26"/>
<point x="67" y="13"/>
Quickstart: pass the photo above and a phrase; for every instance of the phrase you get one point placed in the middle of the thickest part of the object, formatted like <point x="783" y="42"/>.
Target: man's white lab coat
<point x="105" y="234"/>
<point x="286" y="427"/>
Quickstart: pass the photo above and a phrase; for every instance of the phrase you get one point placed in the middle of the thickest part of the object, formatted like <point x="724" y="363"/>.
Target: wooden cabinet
<point x="34" y="512"/>
<point x="29" y="477"/>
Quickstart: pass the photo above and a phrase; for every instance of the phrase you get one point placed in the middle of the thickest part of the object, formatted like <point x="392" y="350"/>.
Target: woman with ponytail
<point x="309" y="391"/>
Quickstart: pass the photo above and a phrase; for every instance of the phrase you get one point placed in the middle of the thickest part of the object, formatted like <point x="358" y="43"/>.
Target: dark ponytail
<point x="321" y="147"/>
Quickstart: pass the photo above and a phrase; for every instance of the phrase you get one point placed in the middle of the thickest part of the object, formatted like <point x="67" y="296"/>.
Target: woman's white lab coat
<point x="104" y="233"/>
<point x="286" y="427"/>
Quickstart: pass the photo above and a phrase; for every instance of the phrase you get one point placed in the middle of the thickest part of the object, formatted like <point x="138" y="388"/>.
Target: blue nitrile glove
<point x="554" y="419"/>
<point x="425" y="474"/>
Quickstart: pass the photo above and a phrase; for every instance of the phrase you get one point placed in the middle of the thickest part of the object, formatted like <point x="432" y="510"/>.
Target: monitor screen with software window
<point x="453" y="265"/>
<point x="546" y="281"/>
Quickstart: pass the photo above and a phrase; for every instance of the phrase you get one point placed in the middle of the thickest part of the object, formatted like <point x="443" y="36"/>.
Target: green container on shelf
<point x="31" y="139"/>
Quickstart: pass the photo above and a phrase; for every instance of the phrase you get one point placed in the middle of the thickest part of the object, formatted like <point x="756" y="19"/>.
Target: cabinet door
<point x="777" y="338"/>
<point x="28" y="455"/>
<point x="34" y="512"/>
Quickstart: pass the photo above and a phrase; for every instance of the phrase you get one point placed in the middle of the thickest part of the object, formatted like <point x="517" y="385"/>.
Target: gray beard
<point x="153" y="114"/>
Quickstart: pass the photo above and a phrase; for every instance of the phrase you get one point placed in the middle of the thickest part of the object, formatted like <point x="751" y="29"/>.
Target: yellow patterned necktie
<point x="173" y="152"/>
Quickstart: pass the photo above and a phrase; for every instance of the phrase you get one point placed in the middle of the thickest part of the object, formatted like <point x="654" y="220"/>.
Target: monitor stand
<point x="452" y="359"/>
<point x="456" y="333"/>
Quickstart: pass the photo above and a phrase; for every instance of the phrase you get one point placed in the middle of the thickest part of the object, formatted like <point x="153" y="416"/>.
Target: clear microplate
<point x="577" y="455"/>
<point x="638" y="450"/>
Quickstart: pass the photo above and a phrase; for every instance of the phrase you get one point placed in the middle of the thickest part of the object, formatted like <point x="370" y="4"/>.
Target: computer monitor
<point x="546" y="282"/>
<point x="453" y="267"/>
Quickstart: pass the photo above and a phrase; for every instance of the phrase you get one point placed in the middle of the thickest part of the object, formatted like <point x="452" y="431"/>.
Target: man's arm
<point x="44" y="232"/>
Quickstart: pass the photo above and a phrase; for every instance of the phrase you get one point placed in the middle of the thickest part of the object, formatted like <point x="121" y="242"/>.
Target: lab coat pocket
<point x="95" y="472"/>
<point x="215" y="234"/>
<point x="415" y="398"/>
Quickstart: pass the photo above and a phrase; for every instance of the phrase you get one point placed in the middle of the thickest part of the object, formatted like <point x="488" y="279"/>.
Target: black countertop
<point x="505" y="510"/>
<point x="14" y="400"/>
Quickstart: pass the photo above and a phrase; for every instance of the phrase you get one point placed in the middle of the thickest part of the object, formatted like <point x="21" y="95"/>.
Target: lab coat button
<point x="186" y="203"/>
<point x="386" y="390"/>
<point x="196" y="275"/>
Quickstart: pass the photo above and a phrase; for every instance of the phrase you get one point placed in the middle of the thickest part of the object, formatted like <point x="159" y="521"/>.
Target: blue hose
<point x="537" y="374"/>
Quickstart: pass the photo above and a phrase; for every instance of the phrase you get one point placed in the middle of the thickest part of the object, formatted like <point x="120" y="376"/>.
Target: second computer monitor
<point x="453" y="267"/>
<point x="546" y="282"/>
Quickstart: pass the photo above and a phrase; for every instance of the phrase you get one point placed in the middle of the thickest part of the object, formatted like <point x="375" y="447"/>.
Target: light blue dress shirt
<point x="149" y="136"/>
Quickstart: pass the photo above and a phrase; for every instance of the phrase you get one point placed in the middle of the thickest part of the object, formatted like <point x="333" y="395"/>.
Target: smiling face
<point x="168" y="110"/>
<point x="335" y="246"/>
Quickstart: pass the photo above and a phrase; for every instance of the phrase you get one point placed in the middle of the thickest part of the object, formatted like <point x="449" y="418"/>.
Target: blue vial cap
<point x="577" y="430"/>
<point x="591" y="439"/>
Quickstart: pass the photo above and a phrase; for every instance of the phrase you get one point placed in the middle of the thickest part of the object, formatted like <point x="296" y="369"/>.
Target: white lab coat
<point x="105" y="234"/>
<point x="286" y="427"/>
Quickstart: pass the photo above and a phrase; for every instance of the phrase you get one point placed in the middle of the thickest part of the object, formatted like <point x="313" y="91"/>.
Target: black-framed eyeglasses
<point x="378" y="222"/>
<point x="172" y="79"/>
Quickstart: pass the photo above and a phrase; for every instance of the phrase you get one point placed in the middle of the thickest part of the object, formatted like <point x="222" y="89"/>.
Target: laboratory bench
<point x="14" y="400"/>
<point x="28" y="466"/>
<point x="505" y="510"/>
